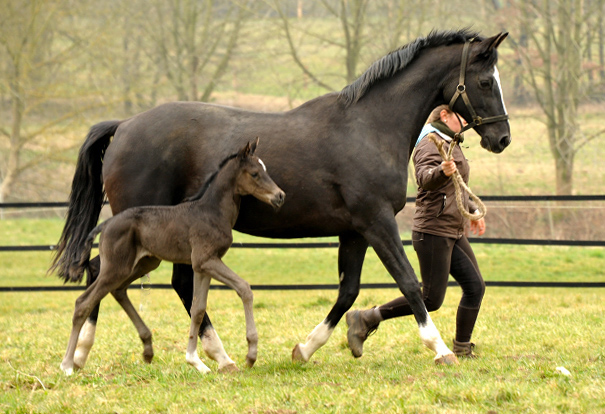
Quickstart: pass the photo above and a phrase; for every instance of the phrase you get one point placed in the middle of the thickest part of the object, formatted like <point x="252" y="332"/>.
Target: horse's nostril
<point x="504" y="141"/>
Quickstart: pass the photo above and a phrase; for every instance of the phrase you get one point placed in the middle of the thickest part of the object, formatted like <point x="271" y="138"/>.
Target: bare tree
<point x="35" y="48"/>
<point x="194" y="41"/>
<point x="552" y="60"/>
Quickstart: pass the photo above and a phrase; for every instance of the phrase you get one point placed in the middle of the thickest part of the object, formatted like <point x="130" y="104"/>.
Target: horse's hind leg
<point x="223" y="274"/>
<point x="351" y="254"/>
<point x="198" y="309"/>
<point x="182" y="282"/>
<point x="121" y="297"/>
<point x="86" y="338"/>
<point x="145" y="265"/>
<point x="84" y="306"/>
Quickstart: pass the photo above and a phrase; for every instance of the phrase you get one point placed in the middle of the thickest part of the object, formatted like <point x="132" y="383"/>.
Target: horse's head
<point x="473" y="90"/>
<point x="254" y="180"/>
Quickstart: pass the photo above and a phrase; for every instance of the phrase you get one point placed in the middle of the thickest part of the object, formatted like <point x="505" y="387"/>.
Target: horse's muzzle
<point x="278" y="200"/>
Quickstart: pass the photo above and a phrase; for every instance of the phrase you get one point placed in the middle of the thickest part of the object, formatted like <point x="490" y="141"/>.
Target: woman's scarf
<point x="437" y="127"/>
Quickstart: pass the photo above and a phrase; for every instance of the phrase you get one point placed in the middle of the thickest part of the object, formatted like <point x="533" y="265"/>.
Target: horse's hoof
<point x="448" y="359"/>
<point x="67" y="370"/>
<point x="148" y="357"/>
<point x="228" y="369"/>
<point x="297" y="354"/>
<point x="250" y="362"/>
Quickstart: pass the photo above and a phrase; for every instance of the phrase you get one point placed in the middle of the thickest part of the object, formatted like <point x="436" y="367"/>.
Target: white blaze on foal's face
<point x="262" y="164"/>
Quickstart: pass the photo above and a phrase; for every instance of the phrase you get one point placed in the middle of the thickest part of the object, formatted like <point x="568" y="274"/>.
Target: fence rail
<point x="544" y="242"/>
<point x="598" y="197"/>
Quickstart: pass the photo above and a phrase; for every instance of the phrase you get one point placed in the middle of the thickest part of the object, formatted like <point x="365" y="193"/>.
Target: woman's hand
<point x="448" y="167"/>
<point x="478" y="227"/>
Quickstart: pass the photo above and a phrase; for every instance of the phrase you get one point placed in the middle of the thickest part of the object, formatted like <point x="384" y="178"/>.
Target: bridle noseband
<point x="461" y="92"/>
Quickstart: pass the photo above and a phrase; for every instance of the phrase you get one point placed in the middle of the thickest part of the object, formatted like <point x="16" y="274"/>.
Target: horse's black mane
<point x="389" y="65"/>
<point x="209" y="180"/>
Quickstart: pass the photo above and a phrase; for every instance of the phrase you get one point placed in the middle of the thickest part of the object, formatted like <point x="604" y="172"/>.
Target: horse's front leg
<point x="384" y="237"/>
<point x="182" y="283"/>
<point x="351" y="254"/>
<point x="223" y="274"/>
<point x="201" y="285"/>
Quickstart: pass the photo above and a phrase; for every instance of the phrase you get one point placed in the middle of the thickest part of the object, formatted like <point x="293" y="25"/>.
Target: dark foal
<point x="197" y="232"/>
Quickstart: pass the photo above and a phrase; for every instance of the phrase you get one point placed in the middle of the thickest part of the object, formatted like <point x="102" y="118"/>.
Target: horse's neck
<point x="404" y="101"/>
<point x="221" y="193"/>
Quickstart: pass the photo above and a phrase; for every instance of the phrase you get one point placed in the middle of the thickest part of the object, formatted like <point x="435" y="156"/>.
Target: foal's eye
<point x="254" y="175"/>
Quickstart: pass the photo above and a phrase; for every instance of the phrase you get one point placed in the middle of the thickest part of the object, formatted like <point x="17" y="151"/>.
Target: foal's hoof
<point x="148" y="356"/>
<point x="67" y="370"/>
<point x="297" y="355"/>
<point x="448" y="359"/>
<point x="250" y="362"/>
<point x="228" y="369"/>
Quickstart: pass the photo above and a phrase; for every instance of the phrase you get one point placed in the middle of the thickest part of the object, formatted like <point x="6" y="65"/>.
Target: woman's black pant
<point x="439" y="257"/>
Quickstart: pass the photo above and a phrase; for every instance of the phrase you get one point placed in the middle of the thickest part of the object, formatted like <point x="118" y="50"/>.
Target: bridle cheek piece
<point x="461" y="92"/>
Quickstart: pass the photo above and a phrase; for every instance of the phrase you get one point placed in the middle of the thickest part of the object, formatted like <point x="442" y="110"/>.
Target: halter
<point x="461" y="91"/>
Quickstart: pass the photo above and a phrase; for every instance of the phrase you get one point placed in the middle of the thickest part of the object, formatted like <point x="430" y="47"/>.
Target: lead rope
<point x="459" y="183"/>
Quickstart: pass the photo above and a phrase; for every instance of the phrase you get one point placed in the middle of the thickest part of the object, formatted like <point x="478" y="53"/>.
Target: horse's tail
<point x="85" y="200"/>
<point x="76" y="269"/>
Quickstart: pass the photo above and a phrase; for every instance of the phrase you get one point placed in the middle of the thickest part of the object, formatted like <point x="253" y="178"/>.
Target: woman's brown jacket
<point x="436" y="211"/>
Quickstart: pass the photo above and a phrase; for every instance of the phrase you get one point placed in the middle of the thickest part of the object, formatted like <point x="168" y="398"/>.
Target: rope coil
<point x="459" y="183"/>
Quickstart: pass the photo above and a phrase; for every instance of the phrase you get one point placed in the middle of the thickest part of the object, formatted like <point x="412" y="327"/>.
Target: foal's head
<point x="253" y="179"/>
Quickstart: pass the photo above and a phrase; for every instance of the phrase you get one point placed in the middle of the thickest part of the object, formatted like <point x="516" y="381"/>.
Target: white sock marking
<point x="432" y="339"/>
<point x="316" y="339"/>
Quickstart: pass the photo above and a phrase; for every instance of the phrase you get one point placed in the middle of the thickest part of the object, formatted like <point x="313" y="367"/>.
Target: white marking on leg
<point x="432" y="339"/>
<point x="213" y="347"/>
<point x="262" y="164"/>
<point x="316" y="339"/>
<point x="85" y="341"/>
<point x="497" y="76"/>
<point x="193" y="359"/>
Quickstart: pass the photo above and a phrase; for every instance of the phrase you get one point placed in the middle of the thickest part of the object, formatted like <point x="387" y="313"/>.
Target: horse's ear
<point x="493" y="42"/>
<point x="253" y="146"/>
<point x="244" y="152"/>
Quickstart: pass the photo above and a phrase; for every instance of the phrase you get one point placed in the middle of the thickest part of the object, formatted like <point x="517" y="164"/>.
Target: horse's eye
<point x="485" y="84"/>
<point x="255" y="175"/>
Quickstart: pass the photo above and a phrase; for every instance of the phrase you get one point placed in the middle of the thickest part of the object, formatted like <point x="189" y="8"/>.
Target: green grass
<point x="523" y="335"/>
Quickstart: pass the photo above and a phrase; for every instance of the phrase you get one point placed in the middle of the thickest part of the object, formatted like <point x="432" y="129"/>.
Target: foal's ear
<point x="244" y="152"/>
<point x="253" y="146"/>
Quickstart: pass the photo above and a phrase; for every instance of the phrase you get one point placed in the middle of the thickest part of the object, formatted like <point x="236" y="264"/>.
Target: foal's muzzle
<point x="278" y="200"/>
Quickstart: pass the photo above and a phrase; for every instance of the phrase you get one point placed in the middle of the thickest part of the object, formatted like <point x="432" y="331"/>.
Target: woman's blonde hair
<point x="436" y="113"/>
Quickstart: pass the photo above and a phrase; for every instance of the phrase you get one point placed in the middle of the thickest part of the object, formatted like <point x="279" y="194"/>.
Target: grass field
<point x="522" y="335"/>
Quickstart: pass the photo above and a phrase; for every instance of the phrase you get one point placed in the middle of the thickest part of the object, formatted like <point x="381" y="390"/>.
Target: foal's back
<point x="166" y="232"/>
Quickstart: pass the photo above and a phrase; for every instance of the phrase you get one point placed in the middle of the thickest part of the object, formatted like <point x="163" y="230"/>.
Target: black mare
<point x="345" y="175"/>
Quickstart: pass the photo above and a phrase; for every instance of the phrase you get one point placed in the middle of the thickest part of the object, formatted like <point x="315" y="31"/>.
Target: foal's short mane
<point x="210" y="179"/>
<point x="389" y="65"/>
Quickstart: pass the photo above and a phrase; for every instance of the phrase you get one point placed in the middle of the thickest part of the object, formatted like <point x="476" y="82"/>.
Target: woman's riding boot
<point x="464" y="349"/>
<point x="361" y="325"/>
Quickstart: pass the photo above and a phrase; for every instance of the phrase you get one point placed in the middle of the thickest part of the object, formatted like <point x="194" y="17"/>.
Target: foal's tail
<point x="85" y="200"/>
<point x="76" y="269"/>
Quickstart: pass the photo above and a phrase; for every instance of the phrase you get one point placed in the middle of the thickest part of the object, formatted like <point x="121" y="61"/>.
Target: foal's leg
<point x="84" y="306"/>
<point x="121" y="296"/>
<point x="182" y="282"/>
<point x="219" y="271"/>
<point x="144" y="266"/>
<point x="198" y="309"/>
<point x="351" y="254"/>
